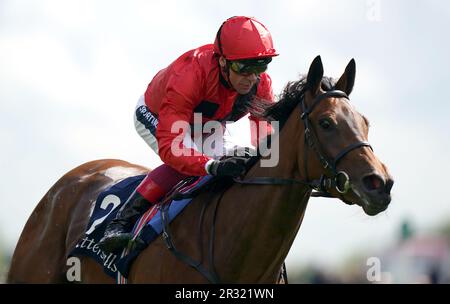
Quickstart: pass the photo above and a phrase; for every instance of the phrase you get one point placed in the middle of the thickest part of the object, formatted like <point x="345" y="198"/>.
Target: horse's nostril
<point x="373" y="182"/>
<point x="389" y="184"/>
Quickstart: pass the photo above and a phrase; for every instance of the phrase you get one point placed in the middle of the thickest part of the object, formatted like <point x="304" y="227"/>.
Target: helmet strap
<point x="224" y="75"/>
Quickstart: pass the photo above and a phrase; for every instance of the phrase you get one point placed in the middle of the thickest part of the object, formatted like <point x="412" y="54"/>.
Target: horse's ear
<point x="347" y="80"/>
<point x="315" y="75"/>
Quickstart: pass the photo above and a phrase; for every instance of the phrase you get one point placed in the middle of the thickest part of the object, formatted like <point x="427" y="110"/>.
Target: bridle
<point x="332" y="178"/>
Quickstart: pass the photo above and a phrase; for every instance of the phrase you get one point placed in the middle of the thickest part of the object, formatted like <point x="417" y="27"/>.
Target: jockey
<point x="207" y="80"/>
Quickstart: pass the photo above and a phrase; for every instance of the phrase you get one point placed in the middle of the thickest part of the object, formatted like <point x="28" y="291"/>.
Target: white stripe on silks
<point x="146" y="135"/>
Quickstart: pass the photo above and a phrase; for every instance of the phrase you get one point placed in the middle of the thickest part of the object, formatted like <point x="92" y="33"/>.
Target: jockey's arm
<point x="174" y="117"/>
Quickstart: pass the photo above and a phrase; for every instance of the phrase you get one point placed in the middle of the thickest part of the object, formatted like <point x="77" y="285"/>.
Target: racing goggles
<point x="249" y="66"/>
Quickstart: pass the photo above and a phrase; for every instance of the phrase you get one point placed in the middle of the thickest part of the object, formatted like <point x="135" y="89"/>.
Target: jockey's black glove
<point x="233" y="166"/>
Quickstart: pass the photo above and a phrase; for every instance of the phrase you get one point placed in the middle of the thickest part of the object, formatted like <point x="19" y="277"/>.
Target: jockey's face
<point x="242" y="83"/>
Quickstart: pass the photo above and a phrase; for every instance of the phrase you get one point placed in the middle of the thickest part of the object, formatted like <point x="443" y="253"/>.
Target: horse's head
<point x="338" y="135"/>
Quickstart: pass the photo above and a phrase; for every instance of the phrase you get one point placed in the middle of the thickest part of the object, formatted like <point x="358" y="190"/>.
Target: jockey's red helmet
<point x="243" y="37"/>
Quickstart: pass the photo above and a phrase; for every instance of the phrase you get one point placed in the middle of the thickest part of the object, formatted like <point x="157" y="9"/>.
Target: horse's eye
<point x="325" y="124"/>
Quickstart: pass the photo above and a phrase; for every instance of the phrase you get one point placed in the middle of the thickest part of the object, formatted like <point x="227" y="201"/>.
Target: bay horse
<point x="322" y="145"/>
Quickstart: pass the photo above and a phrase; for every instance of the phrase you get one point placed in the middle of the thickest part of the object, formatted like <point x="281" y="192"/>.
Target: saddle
<point x="148" y="227"/>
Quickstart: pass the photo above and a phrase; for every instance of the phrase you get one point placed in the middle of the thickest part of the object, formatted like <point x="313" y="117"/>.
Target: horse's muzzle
<point x="377" y="191"/>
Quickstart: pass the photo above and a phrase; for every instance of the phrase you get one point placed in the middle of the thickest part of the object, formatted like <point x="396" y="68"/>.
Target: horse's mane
<point x="289" y="98"/>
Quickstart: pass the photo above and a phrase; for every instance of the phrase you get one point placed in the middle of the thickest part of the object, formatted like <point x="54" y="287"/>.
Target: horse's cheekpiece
<point x="148" y="227"/>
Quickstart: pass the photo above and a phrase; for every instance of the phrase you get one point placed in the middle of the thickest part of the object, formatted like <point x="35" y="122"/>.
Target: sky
<point x="71" y="73"/>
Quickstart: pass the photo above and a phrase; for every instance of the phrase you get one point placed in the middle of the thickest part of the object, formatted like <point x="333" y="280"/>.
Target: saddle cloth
<point x="149" y="226"/>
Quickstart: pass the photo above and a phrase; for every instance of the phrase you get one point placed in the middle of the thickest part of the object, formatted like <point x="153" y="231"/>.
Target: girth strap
<point x="210" y="276"/>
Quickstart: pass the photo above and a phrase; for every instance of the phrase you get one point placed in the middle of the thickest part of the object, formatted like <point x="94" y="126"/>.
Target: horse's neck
<point x="266" y="218"/>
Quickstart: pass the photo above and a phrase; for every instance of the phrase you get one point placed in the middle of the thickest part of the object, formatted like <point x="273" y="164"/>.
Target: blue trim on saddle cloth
<point x="106" y="207"/>
<point x="154" y="228"/>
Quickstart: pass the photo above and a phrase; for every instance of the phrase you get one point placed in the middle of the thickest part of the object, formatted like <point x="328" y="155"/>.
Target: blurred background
<point x="71" y="73"/>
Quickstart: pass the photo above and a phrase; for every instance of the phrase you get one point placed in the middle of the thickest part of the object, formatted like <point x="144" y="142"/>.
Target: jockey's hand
<point x="233" y="166"/>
